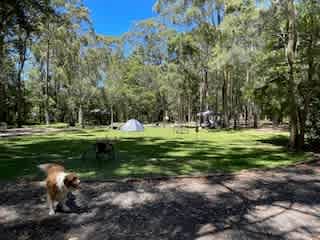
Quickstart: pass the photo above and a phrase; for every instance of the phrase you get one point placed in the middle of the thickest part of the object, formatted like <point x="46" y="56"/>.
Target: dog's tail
<point x="44" y="167"/>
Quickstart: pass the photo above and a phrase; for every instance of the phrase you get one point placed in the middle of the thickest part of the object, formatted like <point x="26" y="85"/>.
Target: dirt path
<point x="273" y="204"/>
<point x="15" y="132"/>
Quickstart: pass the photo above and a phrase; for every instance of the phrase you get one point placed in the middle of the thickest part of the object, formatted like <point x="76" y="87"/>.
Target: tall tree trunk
<point x="111" y="120"/>
<point x="40" y="113"/>
<point x="230" y="97"/>
<point x="180" y="114"/>
<point x="206" y="89"/>
<point x="217" y="96"/>
<point x="55" y="95"/>
<point x="225" y="122"/>
<point x="189" y="109"/>
<point x="306" y="93"/>
<point x="255" y="120"/>
<point x="2" y="101"/>
<point x="200" y="103"/>
<point x="46" y="107"/>
<point x="80" y="115"/>
<point x="19" y="100"/>
<point x="246" y="104"/>
<point x="2" y="85"/>
<point x="42" y="91"/>
<point x="246" y="115"/>
<point x="302" y="122"/>
<point x="255" y="116"/>
<point x="201" y="96"/>
<point x="291" y="47"/>
<point x="22" y="59"/>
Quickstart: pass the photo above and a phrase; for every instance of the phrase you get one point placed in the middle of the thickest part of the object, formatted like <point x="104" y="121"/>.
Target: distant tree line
<point x="244" y="59"/>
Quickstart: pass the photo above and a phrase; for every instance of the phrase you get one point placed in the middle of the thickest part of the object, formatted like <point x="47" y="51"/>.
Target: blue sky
<point x="114" y="17"/>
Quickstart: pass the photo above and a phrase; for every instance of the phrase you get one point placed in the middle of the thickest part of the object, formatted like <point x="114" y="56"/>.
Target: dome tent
<point x="132" y="125"/>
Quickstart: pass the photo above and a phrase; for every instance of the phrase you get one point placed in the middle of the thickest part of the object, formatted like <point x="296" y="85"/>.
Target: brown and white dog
<point x="58" y="183"/>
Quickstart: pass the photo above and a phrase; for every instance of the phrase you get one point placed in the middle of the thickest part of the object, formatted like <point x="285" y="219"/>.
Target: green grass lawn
<point x="156" y="151"/>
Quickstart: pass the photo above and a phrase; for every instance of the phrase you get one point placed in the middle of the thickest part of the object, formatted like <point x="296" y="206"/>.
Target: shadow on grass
<point x="278" y="140"/>
<point x="283" y="141"/>
<point x="139" y="157"/>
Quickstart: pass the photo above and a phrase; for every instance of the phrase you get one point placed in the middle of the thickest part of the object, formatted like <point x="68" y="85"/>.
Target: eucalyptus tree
<point x="43" y="50"/>
<point x="113" y="70"/>
<point x="60" y="54"/>
<point x="233" y="56"/>
<point x="148" y="45"/>
<point x="8" y="87"/>
<point x="150" y="35"/>
<point x="89" y="77"/>
<point x="17" y="16"/>
<point x="291" y="48"/>
<point x="200" y="18"/>
<point x="19" y="20"/>
<point x="288" y="62"/>
<point x="184" y="76"/>
<point x="225" y="36"/>
<point x="308" y="54"/>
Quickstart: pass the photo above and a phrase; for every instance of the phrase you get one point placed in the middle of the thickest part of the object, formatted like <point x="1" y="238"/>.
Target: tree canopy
<point x="247" y="60"/>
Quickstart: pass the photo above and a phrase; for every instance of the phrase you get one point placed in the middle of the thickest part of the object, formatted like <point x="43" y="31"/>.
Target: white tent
<point x="132" y="125"/>
<point x="206" y="113"/>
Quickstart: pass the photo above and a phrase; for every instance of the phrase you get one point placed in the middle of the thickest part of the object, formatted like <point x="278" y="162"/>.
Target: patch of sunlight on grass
<point x="87" y="174"/>
<point x="122" y="171"/>
<point x="151" y="168"/>
<point x="156" y="151"/>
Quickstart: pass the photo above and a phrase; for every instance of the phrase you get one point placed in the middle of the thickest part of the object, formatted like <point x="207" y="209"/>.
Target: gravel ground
<point x="281" y="203"/>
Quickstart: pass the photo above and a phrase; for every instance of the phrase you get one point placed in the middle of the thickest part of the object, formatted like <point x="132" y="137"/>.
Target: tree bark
<point x="306" y="92"/>
<point x="291" y="47"/>
<point x="189" y="109"/>
<point x="2" y="101"/>
<point x="246" y="104"/>
<point x="22" y="59"/>
<point x="200" y="102"/>
<point x="255" y="120"/>
<point x="201" y="96"/>
<point x="246" y="115"/>
<point x="217" y="96"/>
<point x="206" y="90"/>
<point x="2" y="86"/>
<point x="80" y="116"/>
<point x="302" y="122"/>
<point x="46" y="107"/>
<point x="255" y="114"/>
<point x="225" y="123"/>
<point x="111" y="121"/>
